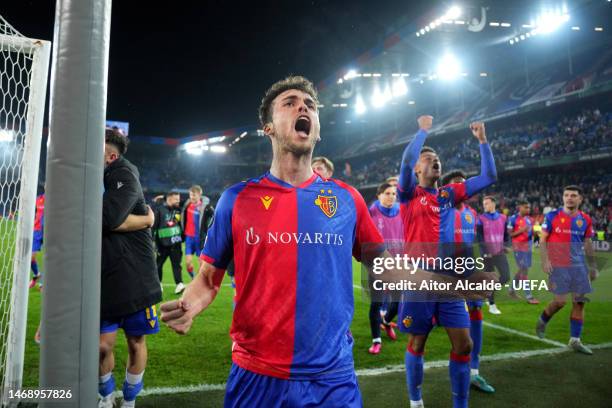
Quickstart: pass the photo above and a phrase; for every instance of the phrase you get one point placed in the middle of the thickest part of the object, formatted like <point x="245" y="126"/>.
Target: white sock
<point x="133" y="379"/>
<point x="473" y="371"/>
<point x="377" y="340"/>
<point x="416" y="404"/>
<point x="104" y="378"/>
<point x="574" y="339"/>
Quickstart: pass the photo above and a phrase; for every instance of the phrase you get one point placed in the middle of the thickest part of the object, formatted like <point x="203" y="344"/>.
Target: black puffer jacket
<point x="129" y="272"/>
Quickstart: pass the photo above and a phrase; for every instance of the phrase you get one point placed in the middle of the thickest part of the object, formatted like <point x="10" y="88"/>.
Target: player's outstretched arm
<point x="199" y="294"/>
<point x="137" y="222"/>
<point x="407" y="179"/>
<point x="488" y="171"/>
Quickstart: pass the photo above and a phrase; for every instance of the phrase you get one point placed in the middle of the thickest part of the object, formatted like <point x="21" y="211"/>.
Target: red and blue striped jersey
<point x="427" y="213"/>
<point x="566" y="236"/>
<point x="192" y="221"/>
<point x="521" y="242"/>
<point x="39" y="217"/>
<point x="292" y="249"/>
<point x="465" y="220"/>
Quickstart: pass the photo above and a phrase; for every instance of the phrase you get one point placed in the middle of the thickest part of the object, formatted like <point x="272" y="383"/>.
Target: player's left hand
<point x="175" y="315"/>
<point x="478" y="130"/>
<point x="593" y="273"/>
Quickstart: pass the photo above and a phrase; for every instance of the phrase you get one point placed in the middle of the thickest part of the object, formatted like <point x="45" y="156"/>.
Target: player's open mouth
<point x="436" y="166"/>
<point x="302" y="125"/>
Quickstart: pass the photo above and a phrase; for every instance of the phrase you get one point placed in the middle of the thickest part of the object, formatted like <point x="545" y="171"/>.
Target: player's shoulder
<point x="584" y="215"/>
<point x="355" y="194"/>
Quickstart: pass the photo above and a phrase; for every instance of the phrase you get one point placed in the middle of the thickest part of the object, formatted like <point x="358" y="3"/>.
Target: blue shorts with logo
<point x="417" y="317"/>
<point x="37" y="241"/>
<point x="136" y="324"/>
<point x="572" y="279"/>
<point x="192" y="246"/>
<point x="248" y="389"/>
<point x="523" y="259"/>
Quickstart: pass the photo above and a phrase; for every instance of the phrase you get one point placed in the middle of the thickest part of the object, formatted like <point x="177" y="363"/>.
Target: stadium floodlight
<point x="448" y="67"/>
<point x="549" y="22"/>
<point x="378" y="99"/>
<point x="350" y="74"/>
<point x="599" y="29"/>
<point x="360" y="106"/>
<point x="218" y="149"/>
<point x="399" y="87"/>
<point x="7" y="135"/>
<point x="194" y="148"/>
<point x="511" y="42"/>
<point x="453" y="13"/>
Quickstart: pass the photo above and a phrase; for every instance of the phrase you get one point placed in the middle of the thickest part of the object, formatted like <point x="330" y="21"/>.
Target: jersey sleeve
<point x="588" y="233"/>
<point x="368" y="242"/>
<point x="488" y="172"/>
<point x="511" y="223"/>
<point x="548" y="221"/>
<point x="407" y="178"/>
<point x="120" y="197"/>
<point x="218" y="247"/>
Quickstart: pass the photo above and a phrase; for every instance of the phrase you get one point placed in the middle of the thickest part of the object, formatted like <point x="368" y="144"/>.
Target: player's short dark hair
<point x="573" y="187"/>
<point x="451" y="175"/>
<point x="392" y="178"/>
<point x="427" y="149"/>
<point x="382" y="188"/>
<point x="171" y="193"/>
<point x="522" y="201"/>
<point x="292" y="82"/>
<point x="115" y="138"/>
<point x="490" y="197"/>
<point x="326" y="162"/>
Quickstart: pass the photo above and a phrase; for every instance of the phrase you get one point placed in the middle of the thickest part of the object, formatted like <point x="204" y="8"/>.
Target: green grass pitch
<point x="203" y="356"/>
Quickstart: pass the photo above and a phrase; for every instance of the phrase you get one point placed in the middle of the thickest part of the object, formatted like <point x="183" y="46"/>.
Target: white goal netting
<point x="23" y="81"/>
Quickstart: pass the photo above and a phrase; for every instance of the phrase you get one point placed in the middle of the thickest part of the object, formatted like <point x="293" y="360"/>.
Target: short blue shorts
<point x="37" y="241"/>
<point x="573" y="279"/>
<point x="192" y="246"/>
<point x="523" y="259"/>
<point x="417" y="317"/>
<point x="248" y="389"/>
<point x="137" y="324"/>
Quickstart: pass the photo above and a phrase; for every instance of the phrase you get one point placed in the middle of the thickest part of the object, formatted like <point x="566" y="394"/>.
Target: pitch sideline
<point x="369" y="372"/>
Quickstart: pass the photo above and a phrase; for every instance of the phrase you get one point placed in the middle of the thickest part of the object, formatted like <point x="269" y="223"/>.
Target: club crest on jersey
<point x="327" y="203"/>
<point x="579" y="223"/>
<point x="468" y="218"/>
<point x="266" y="201"/>
<point x="407" y="321"/>
<point x="444" y="194"/>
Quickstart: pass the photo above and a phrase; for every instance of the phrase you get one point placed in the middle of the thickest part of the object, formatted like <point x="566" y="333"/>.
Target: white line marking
<point x="523" y="334"/>
<point x="369" y="372"/>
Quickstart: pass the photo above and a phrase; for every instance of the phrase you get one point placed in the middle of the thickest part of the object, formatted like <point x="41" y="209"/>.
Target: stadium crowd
<point x="590" y="130"/>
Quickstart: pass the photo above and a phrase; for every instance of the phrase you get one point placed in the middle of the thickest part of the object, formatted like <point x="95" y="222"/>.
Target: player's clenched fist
<point x="478" y="130"/>
<point x="425" y="122"/>
<point x="175" y="315"/>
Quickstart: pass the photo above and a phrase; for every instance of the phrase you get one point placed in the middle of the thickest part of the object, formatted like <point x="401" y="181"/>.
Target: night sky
<point x="179" y="69"/>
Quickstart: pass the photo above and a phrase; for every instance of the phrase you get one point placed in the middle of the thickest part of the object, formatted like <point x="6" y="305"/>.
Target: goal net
<point x="23" y="81"/>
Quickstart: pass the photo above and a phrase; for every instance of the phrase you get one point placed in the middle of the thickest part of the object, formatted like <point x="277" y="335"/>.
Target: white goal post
<point x="24" y="66"/>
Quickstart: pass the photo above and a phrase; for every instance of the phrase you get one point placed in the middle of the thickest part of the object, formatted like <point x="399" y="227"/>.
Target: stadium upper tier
<point x="515" y="147"/>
